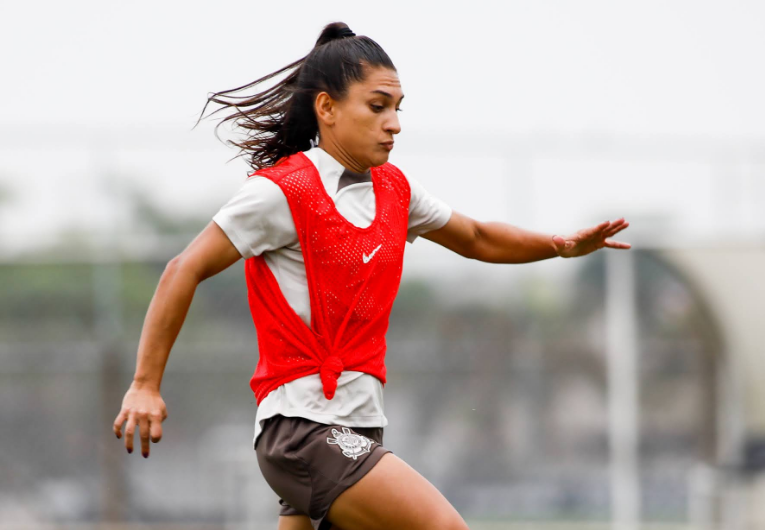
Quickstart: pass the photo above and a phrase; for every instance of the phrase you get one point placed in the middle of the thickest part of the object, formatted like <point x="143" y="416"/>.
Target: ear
<point x="325" y="109"/>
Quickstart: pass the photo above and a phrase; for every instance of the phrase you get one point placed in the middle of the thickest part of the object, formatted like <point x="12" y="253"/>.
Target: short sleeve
<point x="257" y="218"/>
<point x="426" y="212"/>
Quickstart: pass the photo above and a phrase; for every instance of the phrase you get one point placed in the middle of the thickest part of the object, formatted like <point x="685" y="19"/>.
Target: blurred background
<point x="620" y="390"/>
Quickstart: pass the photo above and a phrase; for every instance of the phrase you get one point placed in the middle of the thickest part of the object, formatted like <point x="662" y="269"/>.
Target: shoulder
<point x="261" y="190"/>
<point x="414" y="187"/>
<point x="257" y="217"/>
<point x="426" y="211"/>
<point x="258" y="200"/>
<point x="284" y="167"/>
<point x="395" y="177"/>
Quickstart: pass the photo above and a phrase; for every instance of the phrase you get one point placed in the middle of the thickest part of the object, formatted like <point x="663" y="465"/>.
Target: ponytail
<point x="281" y="121"/>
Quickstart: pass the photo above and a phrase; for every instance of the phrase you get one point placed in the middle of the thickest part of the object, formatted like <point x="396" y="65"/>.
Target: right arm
<point x="208" y="254"/>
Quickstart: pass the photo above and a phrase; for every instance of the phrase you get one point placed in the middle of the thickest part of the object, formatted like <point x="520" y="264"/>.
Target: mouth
<point x="387" y="145"/>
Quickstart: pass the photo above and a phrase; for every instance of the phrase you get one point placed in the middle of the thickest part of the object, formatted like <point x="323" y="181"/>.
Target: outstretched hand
<point x="589" y="240"/>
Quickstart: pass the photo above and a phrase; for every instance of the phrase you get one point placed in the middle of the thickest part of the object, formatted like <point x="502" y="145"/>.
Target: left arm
<point x="496" y="242"/>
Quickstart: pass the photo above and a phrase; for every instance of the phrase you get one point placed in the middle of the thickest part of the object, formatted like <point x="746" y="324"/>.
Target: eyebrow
<point x="386" y="94"/>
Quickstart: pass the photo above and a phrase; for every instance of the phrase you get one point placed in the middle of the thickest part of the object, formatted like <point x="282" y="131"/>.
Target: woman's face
<point x="356" y="128"/>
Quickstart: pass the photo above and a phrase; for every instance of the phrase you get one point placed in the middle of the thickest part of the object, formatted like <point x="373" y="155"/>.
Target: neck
<point x="344" y="157"/>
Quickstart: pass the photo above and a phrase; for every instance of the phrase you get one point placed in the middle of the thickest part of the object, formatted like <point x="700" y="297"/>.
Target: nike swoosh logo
<point x="367" y="258"/>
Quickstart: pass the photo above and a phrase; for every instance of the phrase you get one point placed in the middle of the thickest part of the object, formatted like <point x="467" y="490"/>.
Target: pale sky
<point x="651" y="66"/>
<point x="83" y="74"/>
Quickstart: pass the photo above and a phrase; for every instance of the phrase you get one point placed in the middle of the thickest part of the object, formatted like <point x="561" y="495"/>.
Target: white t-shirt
<point x="258" y="220"/>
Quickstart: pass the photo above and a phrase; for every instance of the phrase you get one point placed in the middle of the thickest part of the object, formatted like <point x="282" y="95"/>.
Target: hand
<point x="590" y="239"/>
<point x="143" y="407"/>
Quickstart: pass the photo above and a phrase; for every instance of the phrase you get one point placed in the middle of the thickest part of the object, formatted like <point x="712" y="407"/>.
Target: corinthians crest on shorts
<point x="351" y="443"/>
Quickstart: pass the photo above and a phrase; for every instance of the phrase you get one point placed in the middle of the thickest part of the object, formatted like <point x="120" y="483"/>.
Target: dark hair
<point x="281" y="121"/>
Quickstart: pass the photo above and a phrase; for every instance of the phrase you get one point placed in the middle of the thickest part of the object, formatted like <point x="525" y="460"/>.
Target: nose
<point x="392" y="125"/>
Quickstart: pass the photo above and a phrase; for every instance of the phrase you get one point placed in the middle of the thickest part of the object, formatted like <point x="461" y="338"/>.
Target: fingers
<point x="617" y="244"/>
<point x="602" y="229"/>
<point x="143" y="425"/>
<point x="149" y="428"/>
<point x="613" y="226"/>
<point x="598" y="229"/>
<point x="616" y="226"/>
<point x="117" y="427"/>
<point x="608" y="229"/>
<point x="129" y="431"/>
<point x="156" y="427"/>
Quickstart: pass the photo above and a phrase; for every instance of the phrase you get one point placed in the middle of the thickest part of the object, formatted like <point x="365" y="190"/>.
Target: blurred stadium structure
<point x="621" y="390"/>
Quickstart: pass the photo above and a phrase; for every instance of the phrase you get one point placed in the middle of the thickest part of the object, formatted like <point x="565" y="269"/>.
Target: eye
<point x="379" y="108"/>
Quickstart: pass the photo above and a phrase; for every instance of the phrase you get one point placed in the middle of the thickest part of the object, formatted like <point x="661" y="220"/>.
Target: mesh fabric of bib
<point x="353" y="277"/>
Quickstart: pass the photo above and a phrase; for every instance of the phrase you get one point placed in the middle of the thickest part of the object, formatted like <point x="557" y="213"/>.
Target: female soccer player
<point x="322" y="224"/>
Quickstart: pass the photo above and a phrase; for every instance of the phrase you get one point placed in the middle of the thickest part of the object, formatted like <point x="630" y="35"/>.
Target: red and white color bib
<point x="353" y="277"/>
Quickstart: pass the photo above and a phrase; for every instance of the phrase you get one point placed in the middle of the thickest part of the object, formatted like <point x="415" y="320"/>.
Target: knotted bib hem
<point x="330" y="370"/>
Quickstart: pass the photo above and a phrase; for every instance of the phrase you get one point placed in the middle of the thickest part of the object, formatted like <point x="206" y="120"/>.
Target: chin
<point x="380" y="159"/>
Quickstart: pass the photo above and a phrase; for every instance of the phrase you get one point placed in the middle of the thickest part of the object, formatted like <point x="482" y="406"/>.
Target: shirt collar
<point x="330" y="170"/>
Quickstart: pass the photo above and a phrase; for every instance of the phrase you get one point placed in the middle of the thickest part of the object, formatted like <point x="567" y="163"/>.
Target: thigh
<point x="393" y="495"/>
<point x="294" y="522"/>
<point x="297" y="522"/>
<point x="308" y="464"/>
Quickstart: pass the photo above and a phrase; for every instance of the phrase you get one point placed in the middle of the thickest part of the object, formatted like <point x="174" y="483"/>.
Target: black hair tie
<point x="345" y="32"/>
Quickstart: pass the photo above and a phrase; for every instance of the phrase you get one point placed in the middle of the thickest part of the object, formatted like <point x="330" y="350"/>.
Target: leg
<point x="294" y="522"/>
<point x="297" y="522"/>
<point x="393" y="495"/>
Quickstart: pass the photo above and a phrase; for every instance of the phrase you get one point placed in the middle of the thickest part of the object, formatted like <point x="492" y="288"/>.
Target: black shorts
<point x="308" y="464"/>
